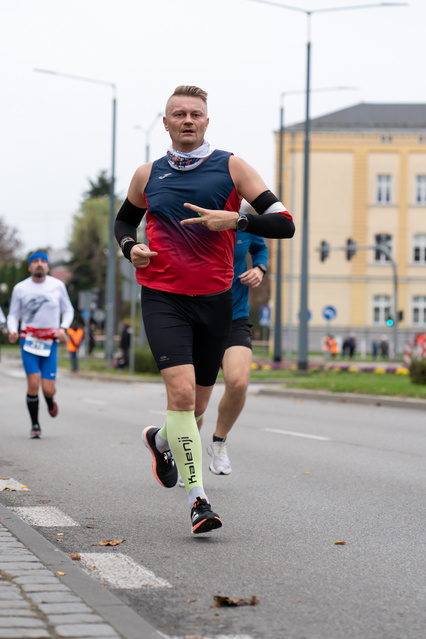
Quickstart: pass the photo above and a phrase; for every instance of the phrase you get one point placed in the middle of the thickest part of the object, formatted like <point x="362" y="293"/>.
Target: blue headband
<point x="36" y="255"/>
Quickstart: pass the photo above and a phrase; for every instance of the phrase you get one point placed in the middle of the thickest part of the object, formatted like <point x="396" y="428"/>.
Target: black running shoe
<point x="54" y="410"/>
<point x="163" y="464"/>
<point x="35" y="432"/>
<point x="203" y="518"/>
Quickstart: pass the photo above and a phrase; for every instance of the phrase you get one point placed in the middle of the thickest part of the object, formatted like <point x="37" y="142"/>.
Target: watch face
<point x="242" y="223"/>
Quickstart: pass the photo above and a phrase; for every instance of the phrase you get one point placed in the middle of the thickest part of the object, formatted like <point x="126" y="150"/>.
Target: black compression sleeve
<point x="273" y="225"/>
<point x="127" y="221"/>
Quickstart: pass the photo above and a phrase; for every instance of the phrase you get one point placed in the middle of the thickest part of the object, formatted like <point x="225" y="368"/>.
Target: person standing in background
<point x="75" y="335"/>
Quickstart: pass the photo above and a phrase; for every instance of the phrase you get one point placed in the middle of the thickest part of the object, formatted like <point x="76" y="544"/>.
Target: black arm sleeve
<point x="272" y="225"/>
<point x="127" y="221"/>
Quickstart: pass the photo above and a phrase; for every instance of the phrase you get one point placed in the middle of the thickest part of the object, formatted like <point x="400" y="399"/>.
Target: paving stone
<point x="54" y="597"/>
<point x="15" y="611"/>
<point x="29" y="569"/>
<point x="12" y="568"/>
<point x="10" y="594"/>
<point x="86" y="630"/>
<point x="24" y="633"/>
<point x="45" y="587"/>
<point x="18" y="603"/>
<point x="74" y="618"/>
<point x="64" y="608"/>
<point x="21" y="556"/>
<point x="42" y="577"/>
<point x="19" y="622"/>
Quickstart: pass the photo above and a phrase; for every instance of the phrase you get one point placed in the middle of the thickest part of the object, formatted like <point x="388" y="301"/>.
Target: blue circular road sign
<point x="329" y="312"/>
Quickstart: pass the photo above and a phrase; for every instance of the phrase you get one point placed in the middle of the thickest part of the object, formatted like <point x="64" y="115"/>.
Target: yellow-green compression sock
<point x="185" y="444"/>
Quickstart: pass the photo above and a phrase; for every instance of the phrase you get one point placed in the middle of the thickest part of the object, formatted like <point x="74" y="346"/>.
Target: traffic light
<point x="350" y="249"/>
<point x="389" y="321"/>
<point x="324" y="250"/>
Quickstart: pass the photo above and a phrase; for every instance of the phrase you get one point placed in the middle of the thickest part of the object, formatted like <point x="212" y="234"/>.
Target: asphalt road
<point x="306" y="475"/>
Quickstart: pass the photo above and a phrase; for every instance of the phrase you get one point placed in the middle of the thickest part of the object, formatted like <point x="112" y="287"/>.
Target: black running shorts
<point x="240" y="334"/>
<point x="184" y="329"/>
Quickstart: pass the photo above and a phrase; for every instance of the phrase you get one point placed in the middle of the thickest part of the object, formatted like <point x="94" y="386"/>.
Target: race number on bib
<point x="38" y="346"/>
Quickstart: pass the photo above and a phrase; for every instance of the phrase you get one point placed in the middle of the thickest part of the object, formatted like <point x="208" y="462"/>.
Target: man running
<point x="191" y="198"/>
<point x="236" y="363"/>
<point x="39" y="302"/>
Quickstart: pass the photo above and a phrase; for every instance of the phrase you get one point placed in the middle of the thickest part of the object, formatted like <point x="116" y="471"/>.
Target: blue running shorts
<point x="45" y="366"/>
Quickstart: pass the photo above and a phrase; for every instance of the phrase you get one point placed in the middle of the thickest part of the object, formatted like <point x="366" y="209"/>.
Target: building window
<point x="379" y="256"/>
<point x="384" y="186"/>
<point x="381" y="309"/>
<point x="421" y="189"/>
<point x="419" y="248"/>
<point x="419" y="310"/>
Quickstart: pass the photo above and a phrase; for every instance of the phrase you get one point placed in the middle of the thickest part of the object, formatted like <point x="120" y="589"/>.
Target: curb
<point x="123" y="619"/>
<point x="343" y="398"/>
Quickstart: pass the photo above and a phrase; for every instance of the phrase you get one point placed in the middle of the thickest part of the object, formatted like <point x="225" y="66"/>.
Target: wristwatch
<point x="262" y="268"/>
<point x="242" y="222"/>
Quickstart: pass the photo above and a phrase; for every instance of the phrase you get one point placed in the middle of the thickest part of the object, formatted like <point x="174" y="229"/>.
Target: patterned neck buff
<point x="188" y="161"/>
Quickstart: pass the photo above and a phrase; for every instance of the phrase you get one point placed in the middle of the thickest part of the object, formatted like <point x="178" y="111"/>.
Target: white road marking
<point x="11" y="484"/>
<point x="289" y="432"/>
<point x="120" y="571"/>
<point x="46" y="516"/>
<point x="17" y="374"/>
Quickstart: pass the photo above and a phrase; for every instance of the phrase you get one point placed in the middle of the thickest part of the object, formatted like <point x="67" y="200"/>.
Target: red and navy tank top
<point x="191" y="259"/>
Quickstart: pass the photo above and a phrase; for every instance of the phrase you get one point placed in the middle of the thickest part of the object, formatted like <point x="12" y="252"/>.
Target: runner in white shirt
<point x="40" y="302"/>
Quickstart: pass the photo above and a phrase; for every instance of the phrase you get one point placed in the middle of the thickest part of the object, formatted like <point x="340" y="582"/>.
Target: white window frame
<point x="421" y="190"/>
<point x="418" y="309"/>
<point x="384" y="189"/>
<point x="419" y="249"/>
<point x="381" y="309"/>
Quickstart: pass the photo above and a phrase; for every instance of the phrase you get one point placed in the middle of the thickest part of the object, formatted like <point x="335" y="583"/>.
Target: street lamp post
<point x="278" y="296"/>
<point x="148" y="132"/>
<point x="110" y="278"/>
<point x="302" y="363"/>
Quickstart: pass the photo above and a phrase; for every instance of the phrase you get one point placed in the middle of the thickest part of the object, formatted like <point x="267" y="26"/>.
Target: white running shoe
<point x="181" y="482"/>
<point x="220" y="464"/>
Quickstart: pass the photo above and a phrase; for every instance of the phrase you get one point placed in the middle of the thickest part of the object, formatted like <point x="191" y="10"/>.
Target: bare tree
<point x="10" y="244"/>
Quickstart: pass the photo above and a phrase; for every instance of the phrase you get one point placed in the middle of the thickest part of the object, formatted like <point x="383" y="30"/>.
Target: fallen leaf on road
<point x="306" y="473"/>
<point x="92" y="568"/>
<point x="126" y="442"/>
<point x="340" y="543"/>
<point x="111" y="542"/>
<point x="60" y="573"/>
<point x="4" y="477"/>
<point x="222" y="602"/>
<point x="75" y="556"/>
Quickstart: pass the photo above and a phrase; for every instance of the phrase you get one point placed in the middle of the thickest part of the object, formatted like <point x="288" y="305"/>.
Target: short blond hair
<point x="185" y="89"/>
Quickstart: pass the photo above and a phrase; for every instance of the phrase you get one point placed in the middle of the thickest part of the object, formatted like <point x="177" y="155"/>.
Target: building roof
<point x="365" y="116"/>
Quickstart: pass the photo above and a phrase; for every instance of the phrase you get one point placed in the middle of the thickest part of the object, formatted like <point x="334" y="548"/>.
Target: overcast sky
<point x="56" y="133"/>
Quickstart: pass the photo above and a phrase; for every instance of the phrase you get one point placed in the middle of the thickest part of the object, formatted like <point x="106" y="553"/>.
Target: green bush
<point x="418" y="371"/>
<point x="144" y="361"/>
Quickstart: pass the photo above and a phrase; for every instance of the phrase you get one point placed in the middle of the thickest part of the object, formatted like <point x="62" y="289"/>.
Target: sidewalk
<point x="44" y="593"/>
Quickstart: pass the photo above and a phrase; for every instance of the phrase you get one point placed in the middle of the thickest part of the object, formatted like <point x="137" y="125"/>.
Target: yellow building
<point x="367" y="183"/>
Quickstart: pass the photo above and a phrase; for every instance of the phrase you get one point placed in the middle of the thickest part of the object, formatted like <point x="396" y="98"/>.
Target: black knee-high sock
<point x="49" y="402"/>
<point x="32" y="403"/>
